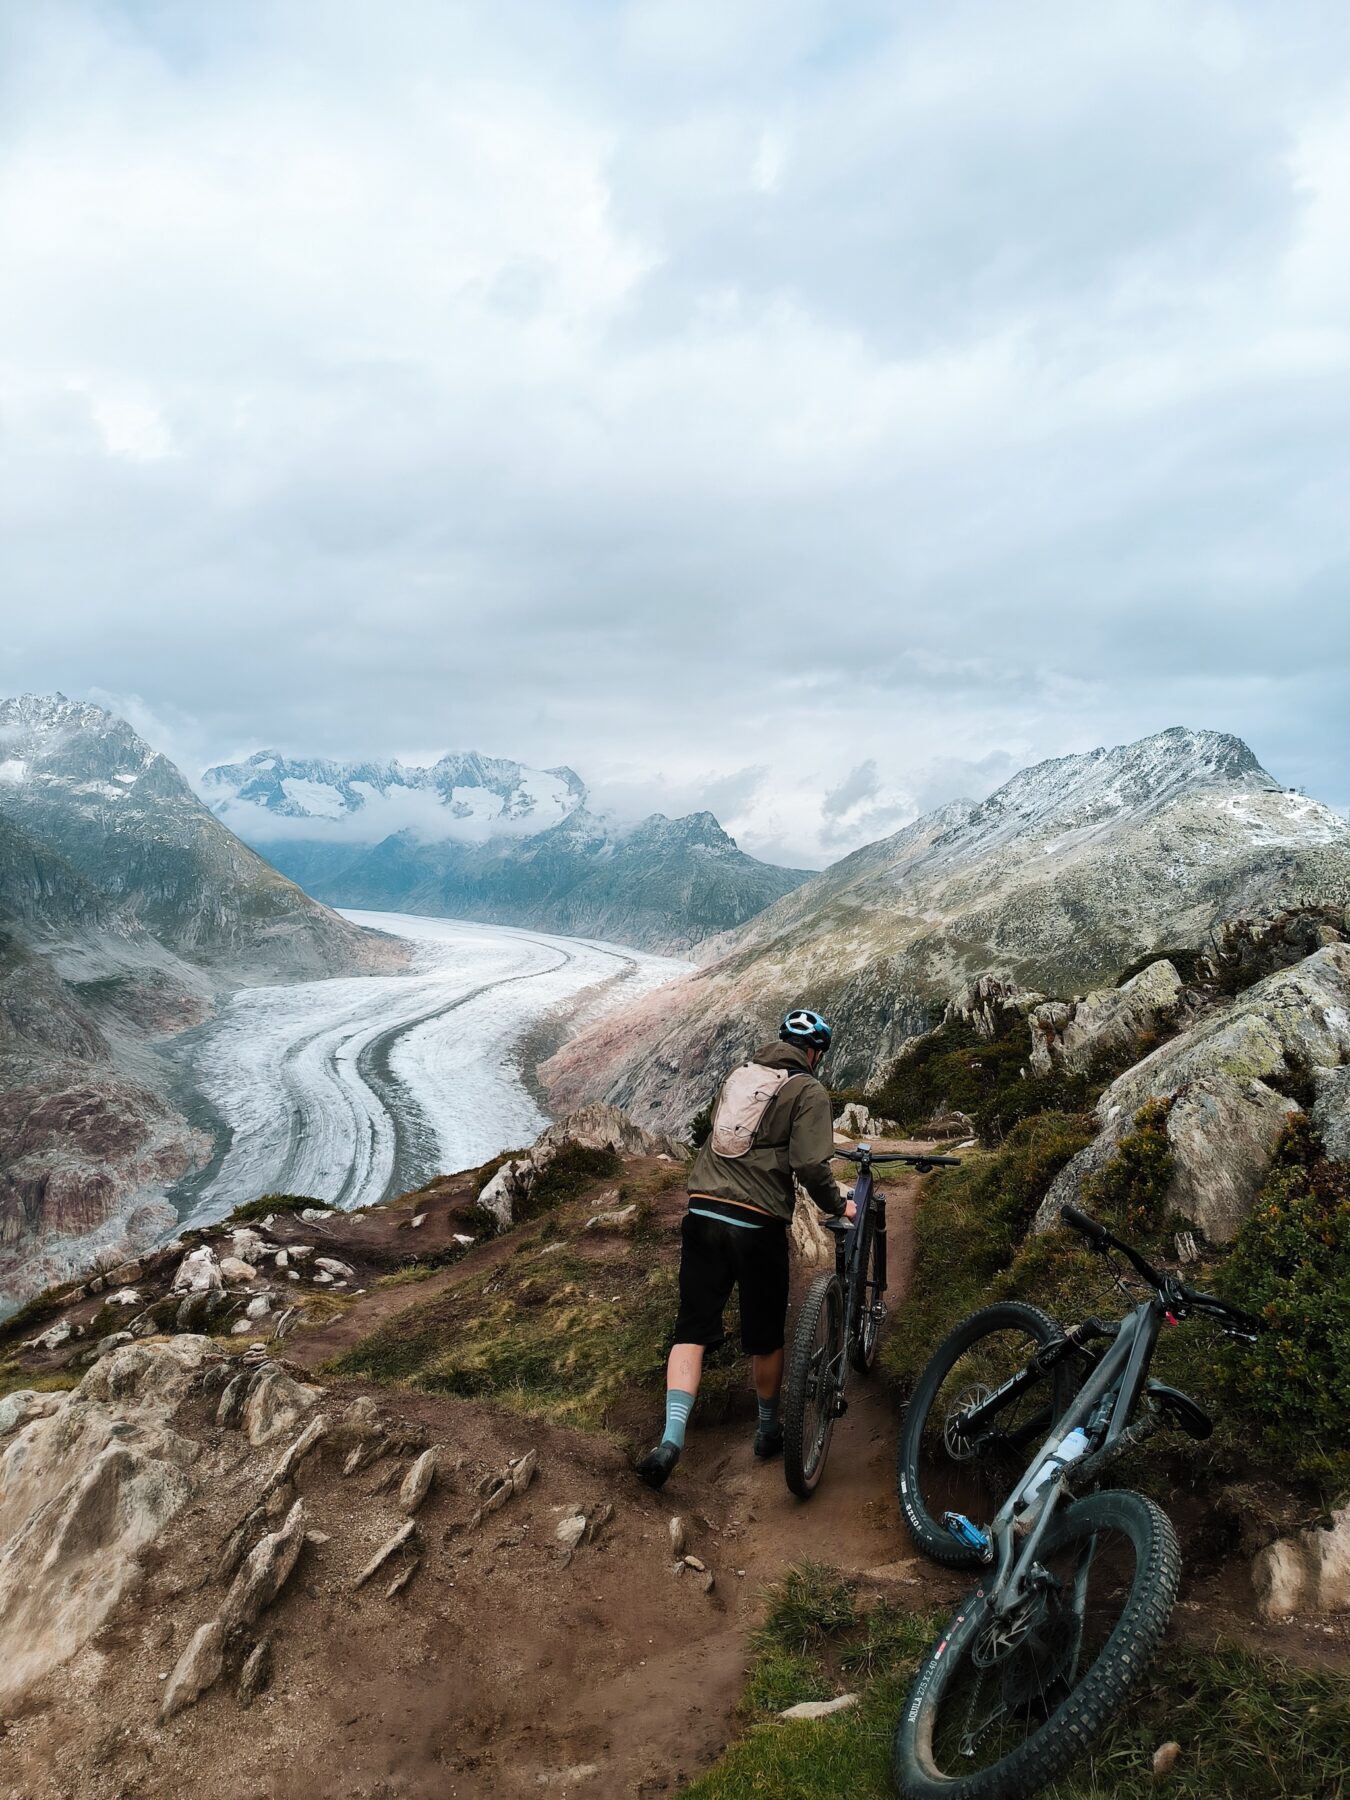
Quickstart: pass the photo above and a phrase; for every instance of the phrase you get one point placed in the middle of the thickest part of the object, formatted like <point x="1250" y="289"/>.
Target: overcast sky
<point x="814" y="411"/>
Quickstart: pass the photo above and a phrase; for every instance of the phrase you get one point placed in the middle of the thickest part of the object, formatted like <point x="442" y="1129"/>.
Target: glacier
<point x="355" y="1089"/>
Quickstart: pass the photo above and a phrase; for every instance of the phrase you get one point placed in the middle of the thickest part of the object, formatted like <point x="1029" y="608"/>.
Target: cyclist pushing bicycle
<point x="771" y="1123"/>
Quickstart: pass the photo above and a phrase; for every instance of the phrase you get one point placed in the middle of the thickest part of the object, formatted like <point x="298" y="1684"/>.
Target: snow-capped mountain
<point x="1059" y="879"/>
<point x="483" y="837"/>
<point x="127" y="821"/>
<point x="464" y="797"/>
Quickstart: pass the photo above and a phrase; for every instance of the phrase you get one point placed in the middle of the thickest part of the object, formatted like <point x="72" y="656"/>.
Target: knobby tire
<point x="1097" y="1693"/>
<point x="817" y="1340"/>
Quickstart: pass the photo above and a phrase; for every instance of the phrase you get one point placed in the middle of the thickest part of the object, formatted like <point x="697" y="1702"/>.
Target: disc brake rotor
<point x="958" y="1446"/>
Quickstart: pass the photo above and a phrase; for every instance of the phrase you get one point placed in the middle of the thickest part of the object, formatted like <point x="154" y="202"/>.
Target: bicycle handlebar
<point x="921" y="1163"/>
<point x="1171" y="1290"/>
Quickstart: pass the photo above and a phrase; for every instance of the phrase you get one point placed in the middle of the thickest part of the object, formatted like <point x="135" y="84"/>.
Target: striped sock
<point x="679" y="1405"/>
<point x="768" y="1414"/>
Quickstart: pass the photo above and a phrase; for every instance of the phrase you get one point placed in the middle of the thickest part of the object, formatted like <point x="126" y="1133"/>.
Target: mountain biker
<point x="771" y="1122"/>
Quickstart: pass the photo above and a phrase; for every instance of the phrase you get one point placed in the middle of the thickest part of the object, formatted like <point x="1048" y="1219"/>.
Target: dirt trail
<point x="853" y="1520"/>
<point x="509" y="1667"/>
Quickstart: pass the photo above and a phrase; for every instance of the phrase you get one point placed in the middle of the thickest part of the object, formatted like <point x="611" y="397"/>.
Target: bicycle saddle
<point x="837" y="1224"/>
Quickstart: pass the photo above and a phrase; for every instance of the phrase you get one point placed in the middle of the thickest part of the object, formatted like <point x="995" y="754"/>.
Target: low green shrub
<point x="575" y="1168"/>
<point x="271" y="1203"/>
<point x="1291" y="1265"/>
<point x="1129" y="1194"/>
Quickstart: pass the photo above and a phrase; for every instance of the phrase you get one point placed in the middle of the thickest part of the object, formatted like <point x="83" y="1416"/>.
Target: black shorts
<point x="714" y="1258"/>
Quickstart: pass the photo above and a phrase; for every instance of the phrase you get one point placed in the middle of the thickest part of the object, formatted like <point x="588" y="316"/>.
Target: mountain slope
<point x="1068" y="872"/>
<point x="126" y="821"/>
<point x="667" y="885"/>
<point x="126" y="911"/>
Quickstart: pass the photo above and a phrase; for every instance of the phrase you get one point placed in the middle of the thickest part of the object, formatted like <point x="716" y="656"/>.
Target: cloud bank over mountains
<point x="692" y="393"/>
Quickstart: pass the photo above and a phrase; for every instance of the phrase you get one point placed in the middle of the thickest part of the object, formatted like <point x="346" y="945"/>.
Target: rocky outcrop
<point x="986" y="1004"/>
<point x="1228" y="1080"/>
<point x="595" y="1127"/>
<point x="856" y="1122"/>
<point x="1072" y="1034"/>
<point x="1308" y="1573"/>
<point x="83" y="1486"/>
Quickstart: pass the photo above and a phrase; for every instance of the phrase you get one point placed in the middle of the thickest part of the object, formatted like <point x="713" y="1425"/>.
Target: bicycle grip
<point x="1095" y="1233"/>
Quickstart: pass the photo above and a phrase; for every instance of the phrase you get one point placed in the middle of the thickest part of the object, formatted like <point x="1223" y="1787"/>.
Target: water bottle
<point x="1068" y="1450"/>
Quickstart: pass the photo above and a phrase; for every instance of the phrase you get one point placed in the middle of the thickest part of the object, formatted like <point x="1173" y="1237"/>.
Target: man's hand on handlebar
<point x="850" y="1211"/>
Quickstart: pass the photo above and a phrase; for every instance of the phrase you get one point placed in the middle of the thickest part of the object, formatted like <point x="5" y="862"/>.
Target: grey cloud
<point x="861" y="783"/>
<point x="707" y="390"/>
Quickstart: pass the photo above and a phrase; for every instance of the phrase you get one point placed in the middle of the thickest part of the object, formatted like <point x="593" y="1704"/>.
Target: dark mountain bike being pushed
<point x="1078" y="1584"/>
<point x="840" y="1321"/>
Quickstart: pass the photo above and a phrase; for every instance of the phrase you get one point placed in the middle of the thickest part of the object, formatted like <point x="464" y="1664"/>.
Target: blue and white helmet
<point x="806" y="1029"/>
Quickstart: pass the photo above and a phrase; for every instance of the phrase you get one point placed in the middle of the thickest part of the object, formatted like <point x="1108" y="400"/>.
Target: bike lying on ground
<point x="840" y="1321"/>
<point x="1080" y="1584"/>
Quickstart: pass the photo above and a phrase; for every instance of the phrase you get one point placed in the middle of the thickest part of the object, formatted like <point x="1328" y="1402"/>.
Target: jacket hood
<point x="778" y="1055"/>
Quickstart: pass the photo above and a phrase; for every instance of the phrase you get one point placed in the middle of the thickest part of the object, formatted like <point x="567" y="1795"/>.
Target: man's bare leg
<point x="768" y="1374"/>
<point x="684" y="1371"/>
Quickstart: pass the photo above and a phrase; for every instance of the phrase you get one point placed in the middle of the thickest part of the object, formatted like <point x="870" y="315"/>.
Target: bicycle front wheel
<point x="1003" y="1705"/>
<point x="811" y="1389"/>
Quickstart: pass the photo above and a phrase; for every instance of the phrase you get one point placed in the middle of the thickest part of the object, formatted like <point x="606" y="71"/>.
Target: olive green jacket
<point x="795" y="1137"/>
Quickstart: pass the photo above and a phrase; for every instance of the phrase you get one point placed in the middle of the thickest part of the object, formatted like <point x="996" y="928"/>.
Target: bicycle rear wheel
<point x="940" y="1464"/>
<point x="811" y="1390"/>
<point x="865" y="1335"/>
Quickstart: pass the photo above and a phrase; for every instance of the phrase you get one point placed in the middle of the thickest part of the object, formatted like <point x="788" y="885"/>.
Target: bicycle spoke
<point x="972" y="1469"/>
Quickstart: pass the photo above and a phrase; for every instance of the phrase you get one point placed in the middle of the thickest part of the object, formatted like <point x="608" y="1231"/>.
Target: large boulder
<point x="1072" y="1034"/>
<point x="597" y="1127"/>
<point x="602" y="1127"/>
<point x="1227" y="1080"/>
<point x="1306" y="1573"/>
<point x="82" y="1489"/>
<point x="275" y="1405"/>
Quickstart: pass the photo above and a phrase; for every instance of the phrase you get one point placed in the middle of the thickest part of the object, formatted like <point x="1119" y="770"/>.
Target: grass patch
<point x="54" y="1381"/>
<point x="265" y="1204"/>
<point x="1247" y="1725"/>
<point x="35" y="1312"/>
<point x="969" y="1224"/>
<point x="550" y="1332"/>
<point x="572" y="1171"/>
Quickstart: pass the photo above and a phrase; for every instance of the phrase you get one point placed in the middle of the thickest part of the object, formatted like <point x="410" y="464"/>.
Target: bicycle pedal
<point x="969" y="1536"/>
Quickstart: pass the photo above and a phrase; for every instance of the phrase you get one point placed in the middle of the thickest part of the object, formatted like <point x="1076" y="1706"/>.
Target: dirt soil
<point x="506" y="1667"/>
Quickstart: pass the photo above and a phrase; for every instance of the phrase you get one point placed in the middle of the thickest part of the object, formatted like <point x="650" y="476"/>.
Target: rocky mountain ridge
<point x="1070" y="871"/>
<point x="667" y="884"/>
<point x="477" y="795"/>
<point x="126" y="911"/>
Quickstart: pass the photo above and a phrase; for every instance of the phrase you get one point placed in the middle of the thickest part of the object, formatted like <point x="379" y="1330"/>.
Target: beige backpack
<point x="747" y="1093"/>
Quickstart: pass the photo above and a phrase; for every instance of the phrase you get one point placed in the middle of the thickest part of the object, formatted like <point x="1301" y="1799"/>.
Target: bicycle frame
<point x="1113" y="1388"/>
<point x="848" y="1243"/>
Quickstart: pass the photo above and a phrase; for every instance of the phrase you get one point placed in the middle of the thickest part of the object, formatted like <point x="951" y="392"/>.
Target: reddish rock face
<point x="80" y="1157"/>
